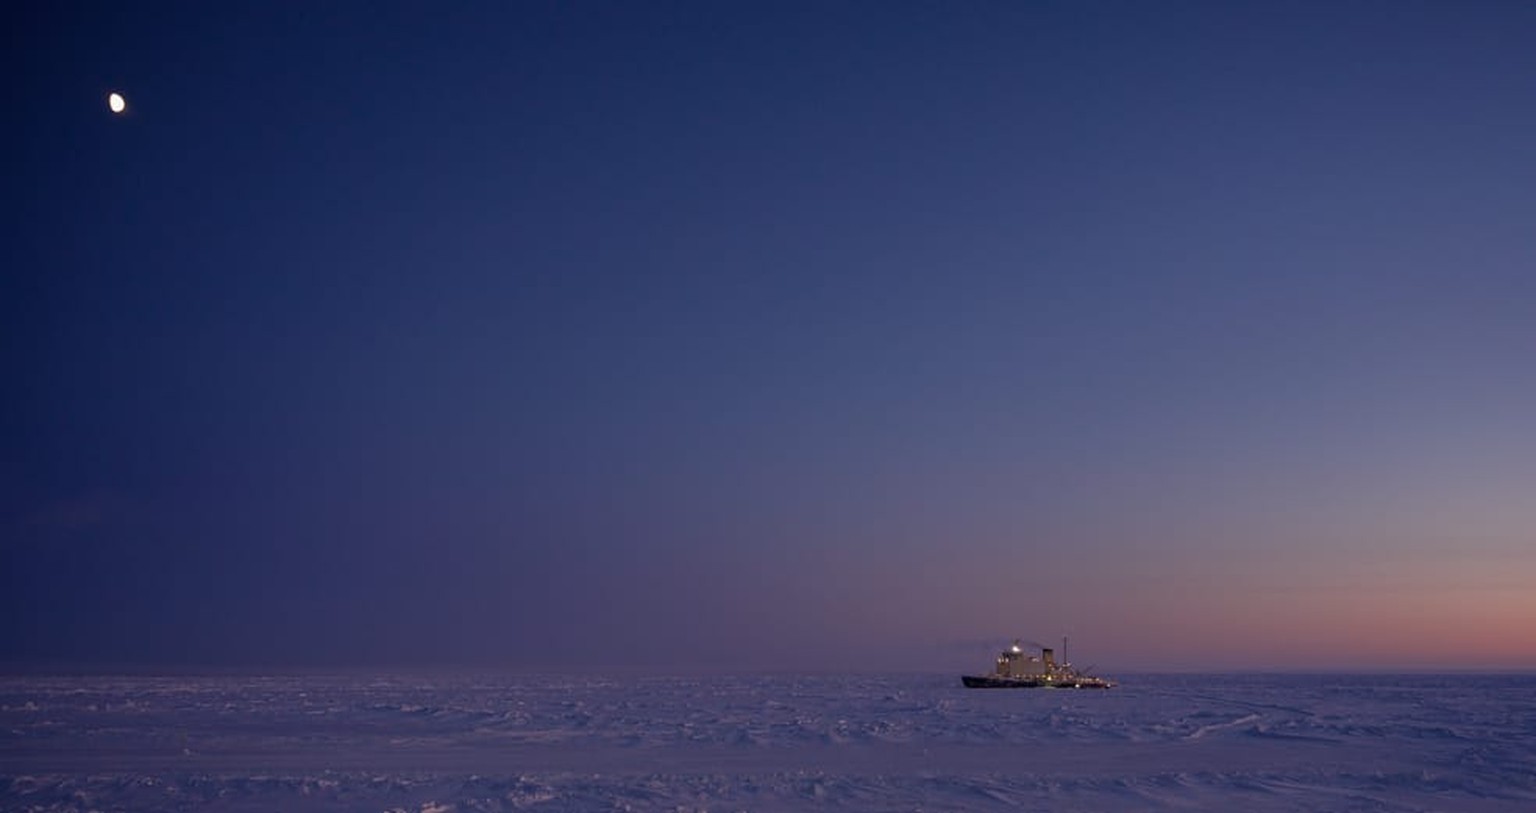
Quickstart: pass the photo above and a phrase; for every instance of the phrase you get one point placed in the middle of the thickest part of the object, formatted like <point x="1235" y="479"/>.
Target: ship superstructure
<point x="1017" y="668"/>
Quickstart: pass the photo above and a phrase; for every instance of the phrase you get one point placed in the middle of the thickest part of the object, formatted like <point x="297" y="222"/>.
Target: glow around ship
<point x="1017" y="669"/>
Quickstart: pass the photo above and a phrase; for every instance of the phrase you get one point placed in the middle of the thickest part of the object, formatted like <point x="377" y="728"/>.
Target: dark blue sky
<point x="730" y="335"/>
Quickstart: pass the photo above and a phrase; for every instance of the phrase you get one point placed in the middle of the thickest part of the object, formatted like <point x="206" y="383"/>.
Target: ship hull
<point x="994" y="682"/>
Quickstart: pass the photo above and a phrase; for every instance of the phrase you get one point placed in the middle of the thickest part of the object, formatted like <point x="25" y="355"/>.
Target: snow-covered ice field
<point x="480" y="742"/>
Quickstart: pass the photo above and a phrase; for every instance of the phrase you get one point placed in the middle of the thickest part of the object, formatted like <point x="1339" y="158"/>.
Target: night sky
<point x="675" y="336"/>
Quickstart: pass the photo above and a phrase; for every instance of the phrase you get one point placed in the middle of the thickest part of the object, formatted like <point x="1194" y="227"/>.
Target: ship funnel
<point x="1049" y="656"/>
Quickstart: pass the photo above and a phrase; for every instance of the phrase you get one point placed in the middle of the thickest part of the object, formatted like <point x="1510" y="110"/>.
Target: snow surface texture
<point x="488" y="743"/>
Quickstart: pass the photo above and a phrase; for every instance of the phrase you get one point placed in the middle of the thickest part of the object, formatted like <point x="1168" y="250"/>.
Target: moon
<point x="117" y="102"/>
